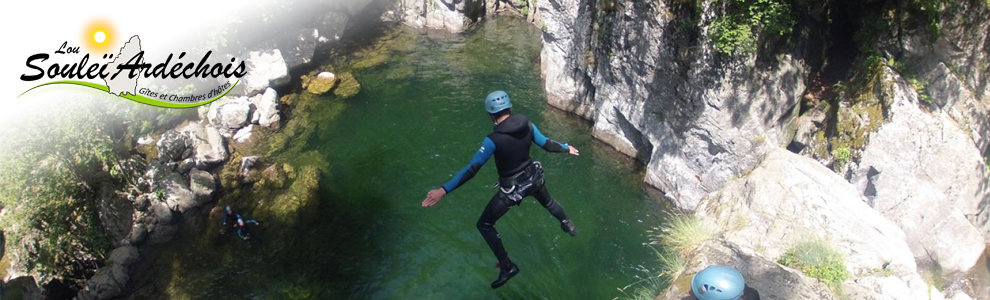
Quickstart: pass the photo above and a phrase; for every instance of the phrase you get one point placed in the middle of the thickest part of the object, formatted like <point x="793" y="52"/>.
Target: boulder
<point x="138" y="233"/>
<point x="161" y="234"/>
<point x="210" y="147"/>
<point x="268" y="108"/>
<point x="322" y="83"/>
<point x="231" y="115"/>
<point x="23" y="287"/>
<point x="125" y="256"/>
<point x="244" y="134"/>
<point x="789" y="198"/>
<point x="108" y="283"/>
<point x="247" y="163"/>
<point x="924" y="173"/>
<point x="770" y="280"/>
<point x="202" y="184"/>
<point x="331" y="27"/>
<point x="172" y="146"/>
<point x="297" y="48"/>
<point x="348" y="87"/>
<point x="265" y="68"/>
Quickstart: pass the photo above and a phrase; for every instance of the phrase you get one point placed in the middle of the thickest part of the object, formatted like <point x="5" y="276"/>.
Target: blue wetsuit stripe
<point x="546" y="143"/>
<point x="479" y="160"/>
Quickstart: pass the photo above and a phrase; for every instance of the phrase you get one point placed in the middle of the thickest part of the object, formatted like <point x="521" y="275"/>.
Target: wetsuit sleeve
<point x="239" y="234"/>
<point x="251" y="221"/>
<point x="546" y="143"/>
<point x="479" y="160"/>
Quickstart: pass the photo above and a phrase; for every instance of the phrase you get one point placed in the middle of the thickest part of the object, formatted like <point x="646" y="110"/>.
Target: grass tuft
<point x="682" y="234"/>
<point x="818" y="259"/>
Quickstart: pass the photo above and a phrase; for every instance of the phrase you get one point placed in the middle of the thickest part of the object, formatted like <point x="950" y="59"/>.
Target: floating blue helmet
<point x="497" y="101"/>
<point x="718" y="283"/>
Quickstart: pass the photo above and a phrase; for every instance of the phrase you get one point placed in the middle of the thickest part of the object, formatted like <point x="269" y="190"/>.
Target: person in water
<point x="519" y="177"/>
<point x="721" y="283"/>
<point x="235" y="221"/>
<point x="242" y="230"/>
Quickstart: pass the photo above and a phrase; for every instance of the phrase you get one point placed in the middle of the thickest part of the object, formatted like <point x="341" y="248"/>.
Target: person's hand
<point x="573" y="151"/>
<point x="433" y="197"/>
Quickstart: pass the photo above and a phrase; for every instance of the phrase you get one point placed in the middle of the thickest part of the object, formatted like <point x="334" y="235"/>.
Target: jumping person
<point x="519" y="177"/>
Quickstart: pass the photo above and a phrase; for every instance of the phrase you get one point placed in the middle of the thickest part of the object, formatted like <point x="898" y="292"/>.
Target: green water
<point x="416" y="122"/>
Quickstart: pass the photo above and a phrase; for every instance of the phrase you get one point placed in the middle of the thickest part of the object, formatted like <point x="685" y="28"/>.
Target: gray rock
<point x="296" y="48"/>
<point x="247" y="163"/>
<point x="161" y="234"/>
<point x="138" y="233"/>
<point x="696" y="117"/>
<point x="231" y="115"/>
<point x="184" y="166"/>
<point x="125" y="256"/>
<point x="244" y="134"/>
<point x="108" y="282"/>
<point x="202" y="184"/>
<point x="927" y="177"/>
<point x="434" y="14"/>
<point x="23" y="285"/>
<point x="268" y="108"/>
<point x="160" y="213"/>
<point x="768" y="278"/>
<point x="955" y="98"/>
<point x="266" y="68"/>
<point x="171" y="146"/>
<point x="789" y="198"/>
<point x="331" y="27"/>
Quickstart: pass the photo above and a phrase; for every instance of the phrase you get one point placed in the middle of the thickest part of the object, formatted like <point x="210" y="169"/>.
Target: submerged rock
<point x="348" y="87"/>
<point x="320" y="84"/>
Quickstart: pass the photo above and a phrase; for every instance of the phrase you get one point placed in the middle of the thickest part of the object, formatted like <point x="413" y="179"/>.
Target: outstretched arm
<point x="550" y="145"/>
<point x="479" y="160"/>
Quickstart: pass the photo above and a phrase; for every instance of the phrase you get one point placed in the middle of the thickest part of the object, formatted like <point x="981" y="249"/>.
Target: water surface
<point x="418" y="119"/>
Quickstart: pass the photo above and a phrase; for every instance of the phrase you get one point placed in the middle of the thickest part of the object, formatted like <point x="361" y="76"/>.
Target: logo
<point x="125" y="69"/>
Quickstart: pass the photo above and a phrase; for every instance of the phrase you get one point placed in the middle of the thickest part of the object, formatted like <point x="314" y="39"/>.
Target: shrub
<point x="818" y="259"/>
<point x="736" y="31"/>
<point x="841" y="156"/>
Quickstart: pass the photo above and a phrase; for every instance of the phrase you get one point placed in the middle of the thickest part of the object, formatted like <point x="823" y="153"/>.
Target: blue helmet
<point x="228" y="208"/>
<point x="497" y="101"/>
<point x="718" y="283"/>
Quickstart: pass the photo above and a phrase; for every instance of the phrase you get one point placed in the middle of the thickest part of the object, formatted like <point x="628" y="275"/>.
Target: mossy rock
<point x="319" y="84"/>
<point x="298" y="204"/>
<point x="272" y="177"/>
<point x="348" y="87"/>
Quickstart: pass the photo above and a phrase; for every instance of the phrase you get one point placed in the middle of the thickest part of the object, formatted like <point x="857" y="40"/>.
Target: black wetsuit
<point x="519" y="177"/>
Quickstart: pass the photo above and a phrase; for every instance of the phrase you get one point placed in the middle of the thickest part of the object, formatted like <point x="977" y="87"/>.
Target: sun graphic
<point x="99" y="38"/>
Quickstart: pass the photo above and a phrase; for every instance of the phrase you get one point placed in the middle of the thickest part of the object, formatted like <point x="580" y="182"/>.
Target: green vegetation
<point x="678" y="237"/>
<point x="738" y="30"/>
<point x="934" y="277"/>
<point x="841" y="156"/>
<point x="55" y="170"/>
<point x="818" y="259"/>
<point x="682" y="234"/>
<point x="922" y="90"/>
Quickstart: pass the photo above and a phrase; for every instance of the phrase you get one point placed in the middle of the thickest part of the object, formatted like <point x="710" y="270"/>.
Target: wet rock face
<point x="697" y="118"/>
<point x="921" y="171"/>
<point x="448" y="15"/>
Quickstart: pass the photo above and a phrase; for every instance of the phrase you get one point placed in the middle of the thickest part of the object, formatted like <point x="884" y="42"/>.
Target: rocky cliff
<point x="891" y="95"/>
